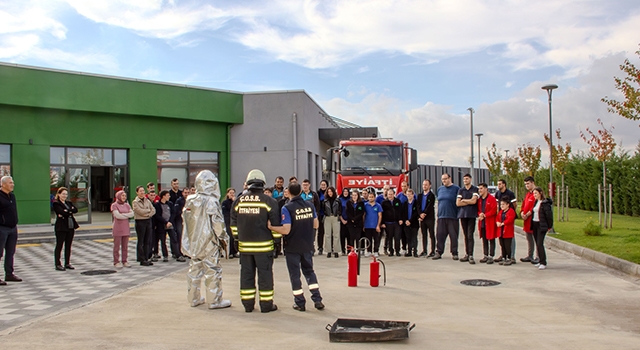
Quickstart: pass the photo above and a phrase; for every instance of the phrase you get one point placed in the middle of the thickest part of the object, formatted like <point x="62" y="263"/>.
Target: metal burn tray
<point x="346" y="330"/>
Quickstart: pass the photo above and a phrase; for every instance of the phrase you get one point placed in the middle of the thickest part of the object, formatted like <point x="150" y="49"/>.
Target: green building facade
<point x="96" y="135"/>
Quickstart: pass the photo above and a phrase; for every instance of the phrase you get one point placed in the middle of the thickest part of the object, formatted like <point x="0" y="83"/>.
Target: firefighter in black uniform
<point x="299" y="219"/>
<point x="250" y="214"/>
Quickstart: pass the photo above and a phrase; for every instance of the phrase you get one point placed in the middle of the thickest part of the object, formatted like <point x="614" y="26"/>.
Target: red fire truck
<point x="372" y="162"/>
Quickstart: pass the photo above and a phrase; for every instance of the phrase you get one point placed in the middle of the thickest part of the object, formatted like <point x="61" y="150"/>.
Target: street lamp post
<point x="471" y="110"/>
<point x="479" y="158"/>
<point x="550" y="89"/>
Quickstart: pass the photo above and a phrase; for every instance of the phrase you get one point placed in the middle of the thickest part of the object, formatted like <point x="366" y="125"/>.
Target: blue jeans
<point x="8" y="242"/>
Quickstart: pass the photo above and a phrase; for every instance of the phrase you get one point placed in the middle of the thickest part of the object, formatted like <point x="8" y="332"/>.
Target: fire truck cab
<point x="372" y="162"/>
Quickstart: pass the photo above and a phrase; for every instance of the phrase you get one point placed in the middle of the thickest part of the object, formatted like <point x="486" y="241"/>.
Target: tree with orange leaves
<point x="630" y="88"/>
<point x="560" y="156"/>
<point x="601" y="144"/>
<point x="530" y="157"/>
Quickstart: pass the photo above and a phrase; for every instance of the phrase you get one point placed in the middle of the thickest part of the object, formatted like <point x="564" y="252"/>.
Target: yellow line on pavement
<point x="106" y="240"/>
<point x="27" y="245"/>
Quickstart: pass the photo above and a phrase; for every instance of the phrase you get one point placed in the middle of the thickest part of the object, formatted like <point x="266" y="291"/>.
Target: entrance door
<point x="79" y="184"/>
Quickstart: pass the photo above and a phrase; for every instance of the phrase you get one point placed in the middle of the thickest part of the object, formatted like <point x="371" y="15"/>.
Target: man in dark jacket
<point x="427" y="218"/>
<point x="8" y="228"/>
<point x="391" y="221"/>
<point x="411" y="224"/>
<point x="164" y="222"/>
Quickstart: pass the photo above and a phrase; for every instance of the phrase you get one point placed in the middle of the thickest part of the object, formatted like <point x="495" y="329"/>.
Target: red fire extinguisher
<point x="352" y="260"/>
<point x="374" y="272"/>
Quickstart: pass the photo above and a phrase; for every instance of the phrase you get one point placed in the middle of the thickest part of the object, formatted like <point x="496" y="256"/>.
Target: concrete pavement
<point x="574" y="304"/>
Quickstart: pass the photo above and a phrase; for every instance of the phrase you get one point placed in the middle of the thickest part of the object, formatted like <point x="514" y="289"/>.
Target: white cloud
<point x="153" y="18"/>
<point x="440" y="134"/>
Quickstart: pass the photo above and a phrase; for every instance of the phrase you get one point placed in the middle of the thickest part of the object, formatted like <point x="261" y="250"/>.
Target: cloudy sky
<point x="412" y="68"/>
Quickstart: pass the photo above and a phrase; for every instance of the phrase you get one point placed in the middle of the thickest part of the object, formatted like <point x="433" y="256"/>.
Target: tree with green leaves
<point x="493" y="161"/>
<point x="629" y="86"/>
<point x="512" y="169"/>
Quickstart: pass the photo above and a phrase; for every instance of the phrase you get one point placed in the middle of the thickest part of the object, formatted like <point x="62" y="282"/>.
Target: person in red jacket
<point x="487" y="211"/>
<point x="506" y="226"/>
<point x="526" y="213"/>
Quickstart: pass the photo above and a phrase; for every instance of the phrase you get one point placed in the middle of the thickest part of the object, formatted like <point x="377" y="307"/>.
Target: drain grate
<point x="98" y="272"/>
<point x="480" y="283"/>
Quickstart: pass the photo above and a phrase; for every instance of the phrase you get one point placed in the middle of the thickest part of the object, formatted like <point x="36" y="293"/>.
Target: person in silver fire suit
<point x="204" y="240"/>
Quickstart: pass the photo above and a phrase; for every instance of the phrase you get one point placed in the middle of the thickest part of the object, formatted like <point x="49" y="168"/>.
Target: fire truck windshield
<point x="382" y="159"/>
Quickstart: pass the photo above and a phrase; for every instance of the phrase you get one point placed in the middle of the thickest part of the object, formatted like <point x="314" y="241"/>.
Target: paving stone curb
<point x="591" y="255"/>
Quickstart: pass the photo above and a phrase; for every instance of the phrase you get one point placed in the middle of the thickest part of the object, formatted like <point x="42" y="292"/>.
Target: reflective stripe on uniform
<point x="253" y="205"/>
<point x="276" y="234"/>
<point x="314" y="286"/>
<point x="266" y="295"/>
<point x="234" y="230"/>
<point x="255" y="247"/>
<point x="298" y="292"/>
<point x="247" y="294"/>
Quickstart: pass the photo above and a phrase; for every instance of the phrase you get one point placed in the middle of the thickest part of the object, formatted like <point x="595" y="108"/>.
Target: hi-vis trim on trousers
<point x="253" y="205"/>
<point x="314" y="286"/>
<point x="266" y="295"/>
<point x="255" y="247"/>
<point x="234" y="230"/>
<point x="247" y="294"/>
<point x="298" y="292"/>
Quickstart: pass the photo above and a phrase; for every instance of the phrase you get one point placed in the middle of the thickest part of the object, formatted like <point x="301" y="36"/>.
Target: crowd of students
<point x="366" y="220"/>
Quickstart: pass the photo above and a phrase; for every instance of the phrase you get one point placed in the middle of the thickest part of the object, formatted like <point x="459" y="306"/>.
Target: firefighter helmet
<point x="256" y="175"/>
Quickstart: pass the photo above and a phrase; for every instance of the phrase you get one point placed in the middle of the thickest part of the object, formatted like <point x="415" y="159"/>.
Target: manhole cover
<point x="98" y="272"/>
<point x="480" y="283"/>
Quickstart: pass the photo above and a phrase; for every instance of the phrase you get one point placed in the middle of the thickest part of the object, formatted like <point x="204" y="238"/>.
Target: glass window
<point x="5" y="154"/>
<point x="92" y="156"/>
<point x="5" y="170"/>
<point x="172" y="158"/>
<point x="197" y="158"/>
<point x="56" y="155"/>
<point x="120" y="156"/>
<point x="165" y="175"/>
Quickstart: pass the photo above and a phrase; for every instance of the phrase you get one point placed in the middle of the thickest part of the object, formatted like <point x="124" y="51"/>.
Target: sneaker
<point x="165" y="259"/>
<point x="367" y="254"/>
<point x="537" y="265"/>
<point x="154" y="259"/>
<point x="498" y="259"/>
<point x="502" y="262"/>
<point x="299" y="308"/>
<point x="376" y="254"/>
<point x="513" y="261"/>
<point x="471" y="261"/>
<point x="489" y="261"/>
<point x="464" y="259"/>
<point x="335" y="255"/>
<point x="126" y="264"/>
<point x="527" y="259"/>
<point x="318" y="305"/>
<point x="118" y="265"/>
<point x="415" y="255"/>
<point x="507" y="263"/>
<point x="407" y="254"/>
<point x="484" y="260"/>
<point x="436" y="256"/>
<point x="455" y="257"/>
<point x="542" y="267"/>
<point x="431" y="255"/>
<point x="535" y="261"/>
<point x="398" y="254"/>
<point x="328" y="255"/>
<point x="423" y="254"/>
<point x="182" y="259"/>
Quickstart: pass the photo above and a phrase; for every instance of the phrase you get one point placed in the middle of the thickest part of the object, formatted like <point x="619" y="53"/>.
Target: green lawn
<point x="622" y="241"/>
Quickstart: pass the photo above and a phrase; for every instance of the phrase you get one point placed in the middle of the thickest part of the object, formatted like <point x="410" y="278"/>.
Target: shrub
<point x="591" y="229"/>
